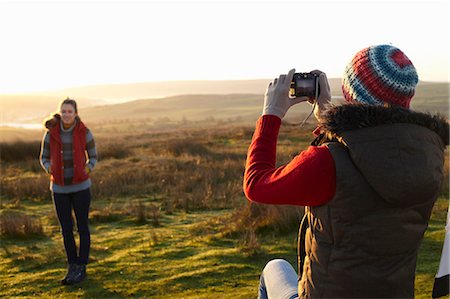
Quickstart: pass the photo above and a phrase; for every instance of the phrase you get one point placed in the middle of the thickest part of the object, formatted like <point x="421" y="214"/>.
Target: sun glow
<point x="56" y="44"/>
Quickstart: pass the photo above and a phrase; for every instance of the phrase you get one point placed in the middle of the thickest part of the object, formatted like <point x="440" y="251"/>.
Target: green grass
<point x="187" y="256"/>
<point x="430" y="250"/>
<point x="195" y="176"/>
<point x="177" y="259"/>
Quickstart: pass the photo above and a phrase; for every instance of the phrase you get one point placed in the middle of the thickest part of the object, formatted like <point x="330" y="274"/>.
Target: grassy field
<point x="168" y="218"/>
<point x="189" y="255"/>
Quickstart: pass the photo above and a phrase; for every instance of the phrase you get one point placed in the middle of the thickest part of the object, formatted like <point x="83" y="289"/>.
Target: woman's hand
<point x="276" y="99"/>
<point x="87" y="169"/>
<point x="324" y="98"/>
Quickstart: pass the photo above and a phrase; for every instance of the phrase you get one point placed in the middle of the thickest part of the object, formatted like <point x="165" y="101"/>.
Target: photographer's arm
<point x="308" y="180"/>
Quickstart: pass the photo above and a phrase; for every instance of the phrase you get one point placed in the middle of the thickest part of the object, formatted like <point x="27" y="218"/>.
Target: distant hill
<point x="430" y="97"/>
<point x="246" y="107"/>
<point x="196" y="100"/>
<point x="22" y="108"/>
<point x="18" y="108"/>
<point x="132" y="91"/>
<point x="8" y="134"/>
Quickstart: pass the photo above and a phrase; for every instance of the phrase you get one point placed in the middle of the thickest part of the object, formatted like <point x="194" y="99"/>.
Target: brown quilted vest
<point x="389" y="169"/>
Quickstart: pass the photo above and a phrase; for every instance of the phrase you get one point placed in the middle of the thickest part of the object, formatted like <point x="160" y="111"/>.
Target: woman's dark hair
<point x="70" y="102"/>
<point x="55" y="118"/>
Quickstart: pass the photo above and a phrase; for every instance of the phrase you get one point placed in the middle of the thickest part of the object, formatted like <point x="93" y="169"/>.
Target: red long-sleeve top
<point x="308" y="180"/>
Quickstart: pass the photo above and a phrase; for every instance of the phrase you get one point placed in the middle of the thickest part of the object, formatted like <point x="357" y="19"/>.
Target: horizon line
<point x="46" y="91"/>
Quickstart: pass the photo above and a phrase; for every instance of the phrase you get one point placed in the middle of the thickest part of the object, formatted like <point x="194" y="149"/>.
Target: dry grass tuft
<point x="249" y="244"/>
<point x="18" y="224"/>
<point x="154" y="238"/>
<point x="261" y="218"/>
<point x="191" y="147"/>
<point x="112" y="150"/>
<point x="138" y="210"/>
<point x="142" y="212"/>
<point x="105" y="214"/>
<point x="19" y="151"/>
<point x="155" y="215"/>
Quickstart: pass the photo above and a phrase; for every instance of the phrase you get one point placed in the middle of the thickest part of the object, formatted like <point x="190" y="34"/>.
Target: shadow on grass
<point x="92" y="287"/>
<point x="217" y="266"/>
<point x="31" y="254"/>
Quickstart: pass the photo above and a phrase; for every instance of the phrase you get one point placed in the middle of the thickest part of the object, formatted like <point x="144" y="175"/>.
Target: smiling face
<point x="68" y="114"/>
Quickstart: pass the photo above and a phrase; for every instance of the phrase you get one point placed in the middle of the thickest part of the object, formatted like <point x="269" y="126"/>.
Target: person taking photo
<point x="368" y="181"/>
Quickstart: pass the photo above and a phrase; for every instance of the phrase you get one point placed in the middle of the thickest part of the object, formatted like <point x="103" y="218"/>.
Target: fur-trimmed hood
<point x="55" y="119"/>
<point x="399" y="152"/>
<point x="357" y="116"/>
<point x="52" y="121"/>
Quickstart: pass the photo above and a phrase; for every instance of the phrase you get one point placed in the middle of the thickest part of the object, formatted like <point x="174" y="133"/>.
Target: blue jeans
<point x="79" y="202"/>
<point x="278" y="281"/>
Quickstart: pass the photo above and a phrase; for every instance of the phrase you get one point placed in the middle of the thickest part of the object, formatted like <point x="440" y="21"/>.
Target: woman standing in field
<point x="63" y="156"/>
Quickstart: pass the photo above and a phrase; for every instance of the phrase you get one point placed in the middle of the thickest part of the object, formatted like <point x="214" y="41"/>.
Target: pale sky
<point x="46" y="45"/>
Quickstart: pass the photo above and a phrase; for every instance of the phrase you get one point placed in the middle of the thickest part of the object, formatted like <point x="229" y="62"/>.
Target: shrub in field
<point x="138" y="210"/>
<point x="191" y="147"/>
<point x="154" y="238"/>
<point x="155" y="215"/>
<point x="249" y="244"/>
<point x="17" y="185"/>
<point x="18" y="224"/>
<point x="51" y="218"/>
<point x="260" y="218"/>
<point x="168" y="206"/>
<point x="210" y="226"/>
<point x="105" y="214"/>
<point x="283" y="219"/>
<point x="117" y="150"/>
<point x="19" y="151"/>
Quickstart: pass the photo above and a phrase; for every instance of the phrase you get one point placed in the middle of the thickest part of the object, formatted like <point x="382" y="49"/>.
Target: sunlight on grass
<point x="169" y="222"/>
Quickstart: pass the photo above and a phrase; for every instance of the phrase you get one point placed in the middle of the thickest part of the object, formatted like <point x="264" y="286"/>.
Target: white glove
<point x="276" y="99"/>
<point x="324" y="98"/>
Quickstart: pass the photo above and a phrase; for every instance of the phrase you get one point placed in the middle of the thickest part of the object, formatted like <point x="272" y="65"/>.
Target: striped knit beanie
<point x="378" y="75"/>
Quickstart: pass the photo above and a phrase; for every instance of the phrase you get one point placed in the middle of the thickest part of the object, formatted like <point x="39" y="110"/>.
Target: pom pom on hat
<point x="378" y="75"/>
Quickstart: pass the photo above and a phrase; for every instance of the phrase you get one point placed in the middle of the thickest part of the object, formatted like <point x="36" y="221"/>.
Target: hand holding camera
<point x="305" y="85"/>
<point x="294" y="88"/>
<point x="324" y="94"/>
<point x="276" y="99"/>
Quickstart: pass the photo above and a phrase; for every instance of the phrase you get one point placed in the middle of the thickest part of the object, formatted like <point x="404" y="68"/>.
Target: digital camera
<point x="304" y="85"/>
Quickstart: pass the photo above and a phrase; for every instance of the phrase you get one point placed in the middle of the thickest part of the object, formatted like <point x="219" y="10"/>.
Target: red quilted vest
<point x="79" y="154"/>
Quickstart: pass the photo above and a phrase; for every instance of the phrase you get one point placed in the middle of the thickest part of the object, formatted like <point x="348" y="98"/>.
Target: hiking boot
<point x="70" y="273"/>
<point x="78" y="276"/>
